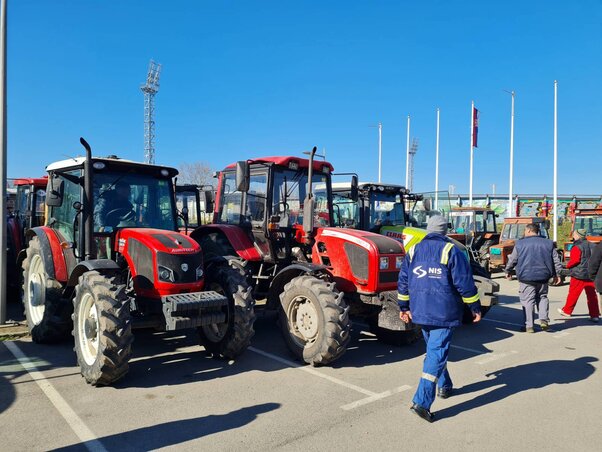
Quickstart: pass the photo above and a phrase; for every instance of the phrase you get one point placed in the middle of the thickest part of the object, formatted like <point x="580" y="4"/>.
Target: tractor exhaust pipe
<point x="309" y="203"/>
<point x="89" y="252"/>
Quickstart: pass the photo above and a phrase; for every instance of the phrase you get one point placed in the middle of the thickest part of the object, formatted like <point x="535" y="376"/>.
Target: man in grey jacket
<point x="536" y="261"/>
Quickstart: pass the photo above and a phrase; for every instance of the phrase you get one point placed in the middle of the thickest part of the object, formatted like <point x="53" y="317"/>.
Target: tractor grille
<point x="142" y="257"/>
<point x="358" y="260"/>
<point x="178" y="262"/>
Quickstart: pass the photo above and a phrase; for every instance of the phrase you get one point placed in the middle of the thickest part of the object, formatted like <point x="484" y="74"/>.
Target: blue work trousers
<point x="434" y="371"/>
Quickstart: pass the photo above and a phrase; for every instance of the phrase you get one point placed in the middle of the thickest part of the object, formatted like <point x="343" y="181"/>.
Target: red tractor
<point x="273" y="220"/>
<point x="28" y="213"/>
<point x="109" y="259"/>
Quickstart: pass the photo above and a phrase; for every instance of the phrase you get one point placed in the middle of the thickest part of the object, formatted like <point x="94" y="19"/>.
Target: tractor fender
<point x="52" y="251"/>
<point x="287" y="274"/>
<point x="235" y="237"/>
<point x="102" y="266"/>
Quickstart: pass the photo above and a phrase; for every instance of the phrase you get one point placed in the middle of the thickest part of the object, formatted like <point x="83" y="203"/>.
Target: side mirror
<point x="243" y="176"/>
<point x="354" y="188"/>
<point x="54" y="197"/>
<point x="185" y="213"/>
<point x="427" y="204"/>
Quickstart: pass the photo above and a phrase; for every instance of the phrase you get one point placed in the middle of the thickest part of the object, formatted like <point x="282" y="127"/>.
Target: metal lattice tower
<point x="150" y="88"/>
<point x="413" y="151"/>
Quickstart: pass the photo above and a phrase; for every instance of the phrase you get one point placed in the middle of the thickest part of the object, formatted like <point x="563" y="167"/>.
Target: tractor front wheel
<point x="314" y="320"/>
<point x="102" y="328"/>
<point x="232" y="337"/>
<point x="46" y="312"/>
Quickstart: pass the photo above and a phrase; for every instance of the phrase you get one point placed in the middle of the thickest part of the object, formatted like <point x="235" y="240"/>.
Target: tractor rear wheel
<point x="314" y="320"/>
<point x="46" y="312"/>
<point x="231" y="338"/>
<point x="102" y="328"/>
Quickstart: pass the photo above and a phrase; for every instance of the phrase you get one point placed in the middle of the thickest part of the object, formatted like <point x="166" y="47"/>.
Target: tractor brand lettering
<point x="418" y="271"/>
<point x="395" y="235"/>
<point x="182" y="250"/>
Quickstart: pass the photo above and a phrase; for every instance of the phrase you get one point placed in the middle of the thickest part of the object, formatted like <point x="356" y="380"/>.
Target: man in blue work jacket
<point x="435" y="282"/>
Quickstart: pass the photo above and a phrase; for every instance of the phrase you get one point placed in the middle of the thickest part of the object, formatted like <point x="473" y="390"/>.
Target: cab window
<point x="62" y="217"/>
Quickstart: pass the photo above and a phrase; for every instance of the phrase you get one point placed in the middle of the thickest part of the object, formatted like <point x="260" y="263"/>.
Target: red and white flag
<point x="475" y="126"/>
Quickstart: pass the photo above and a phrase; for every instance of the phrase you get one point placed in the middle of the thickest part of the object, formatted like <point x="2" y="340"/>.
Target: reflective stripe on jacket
<point x="435" y="281"/>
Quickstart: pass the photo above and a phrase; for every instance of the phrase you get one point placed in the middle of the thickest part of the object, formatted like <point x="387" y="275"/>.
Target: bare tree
<point x="199" y="173"/>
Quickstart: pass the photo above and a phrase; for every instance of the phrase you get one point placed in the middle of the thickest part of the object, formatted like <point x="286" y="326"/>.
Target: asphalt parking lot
<point x="514" y="391"/>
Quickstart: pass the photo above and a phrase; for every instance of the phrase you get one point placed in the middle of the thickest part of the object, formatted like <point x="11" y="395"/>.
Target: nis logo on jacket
<point x="432" y="272"/>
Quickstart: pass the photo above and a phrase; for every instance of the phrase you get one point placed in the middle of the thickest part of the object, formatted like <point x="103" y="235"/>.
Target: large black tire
<point x="48" y="314"/>
<point x="231" y="338"/>
<point x="314" y="320"/>
<point x="102" y="328"/>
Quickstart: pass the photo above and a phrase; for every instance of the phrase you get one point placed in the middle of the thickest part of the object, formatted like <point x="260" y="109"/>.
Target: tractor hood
<point x="158" y="240"/>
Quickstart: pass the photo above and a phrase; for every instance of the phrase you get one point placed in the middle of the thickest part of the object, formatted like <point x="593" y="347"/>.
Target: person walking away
<point x="536" y="261"/>
<point x="581" y="253"/>
<point x="595" y="270"/>
<point x="434" y="283"/>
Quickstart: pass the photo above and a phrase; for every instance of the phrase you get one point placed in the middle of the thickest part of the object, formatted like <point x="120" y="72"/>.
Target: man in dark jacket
<point x="434" y="283"/>
<point x="595" y="268"/>
<point x="536" y="261"/>
<point x="581" y="253"/>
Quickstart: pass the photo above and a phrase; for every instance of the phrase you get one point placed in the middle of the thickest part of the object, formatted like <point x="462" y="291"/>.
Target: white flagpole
<point x="3" y="143"/>
<point x="437" y="165"/>
<point x="380" y="150"/>
<point x="408" y="155"/>
<point x="555" y="160"/>
<point x="471" y="151"/>
<point x="510" y="199"/>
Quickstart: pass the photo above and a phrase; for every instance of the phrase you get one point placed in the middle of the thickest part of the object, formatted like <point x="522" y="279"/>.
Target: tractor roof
<point x="78" y="162"/>
<point x="524" y="220"/>
<point x="36" y="181"/>
<point x="346" y="186"/>
<point x="287" y="162"/>
<point x="583" y="212"/>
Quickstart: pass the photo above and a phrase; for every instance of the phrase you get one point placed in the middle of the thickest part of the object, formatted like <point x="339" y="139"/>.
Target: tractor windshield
<point x="346" y="211"/>
<point x="462" y="222"/>
<point x="591" y="223"/>
<point x="290" y="188"/>
<point x="187" y="199"/>
<point x="132" y="200"/>
<point x="386" y="209"/>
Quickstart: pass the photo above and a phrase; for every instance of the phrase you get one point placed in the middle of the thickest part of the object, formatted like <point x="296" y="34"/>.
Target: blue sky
<point x="244" y="79"/>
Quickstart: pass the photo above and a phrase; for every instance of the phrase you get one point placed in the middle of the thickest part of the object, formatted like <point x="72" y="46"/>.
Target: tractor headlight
<point x="384" y="263"/>
<point x="199" y="272"/>
<point x="166" y="274"/>
<point x="398" y="262"/>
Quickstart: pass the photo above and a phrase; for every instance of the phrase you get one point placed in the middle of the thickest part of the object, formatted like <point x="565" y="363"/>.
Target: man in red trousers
<point x="581" y="253"/>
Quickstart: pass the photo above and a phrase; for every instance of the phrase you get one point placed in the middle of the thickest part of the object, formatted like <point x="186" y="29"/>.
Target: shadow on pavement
<point x="525" y="377"/>
<point x="177" y="432"/>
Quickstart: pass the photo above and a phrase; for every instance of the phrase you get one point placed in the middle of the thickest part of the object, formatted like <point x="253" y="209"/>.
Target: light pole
<point x="510" y="184"/>
<point x="380" y="151"/>
<point x="408" y="155"/>
<point x="437" y="164"/>
<point x="555" y="160"/>
<point x="3" y="138"/>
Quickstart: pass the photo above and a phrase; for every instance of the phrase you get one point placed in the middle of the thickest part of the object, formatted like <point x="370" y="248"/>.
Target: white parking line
<point x="501" y="321"/>
<point x="374" y="398"/>
<point x="89" y="439"/>
<point x="313" y="371"/>
<point x="496" y="357"/>
<point x="471" y="350"/>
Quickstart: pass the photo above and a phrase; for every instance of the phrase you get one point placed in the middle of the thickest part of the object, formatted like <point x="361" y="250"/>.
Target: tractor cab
<point x="591" y="221"/>
<point x="195" y="205"/>
<point x="513" y="229"/>
<point x="269" y="206"/>
<point x="109" y="259"/>
<point x="28" y="212"/>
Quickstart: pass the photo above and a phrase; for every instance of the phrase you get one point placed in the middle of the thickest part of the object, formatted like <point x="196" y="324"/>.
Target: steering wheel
<point x="116" y="216"/>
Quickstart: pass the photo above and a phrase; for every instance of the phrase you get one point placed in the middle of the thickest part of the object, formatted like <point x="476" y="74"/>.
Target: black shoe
<point x="422" y="412"/>
<point x="444" y="393"/>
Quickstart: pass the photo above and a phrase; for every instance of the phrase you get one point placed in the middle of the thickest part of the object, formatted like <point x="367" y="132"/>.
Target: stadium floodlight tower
<point x="150" y="88"/>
